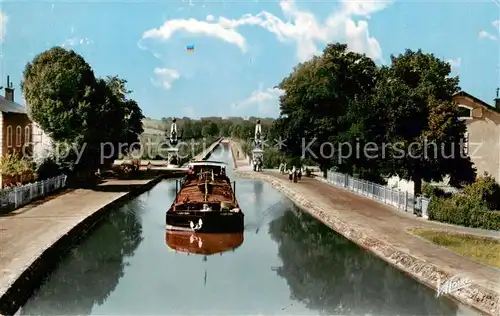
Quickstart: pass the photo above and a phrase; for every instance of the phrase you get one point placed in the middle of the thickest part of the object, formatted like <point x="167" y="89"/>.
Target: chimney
<point x="497" y="100"/>
<point x="9" y="90"/>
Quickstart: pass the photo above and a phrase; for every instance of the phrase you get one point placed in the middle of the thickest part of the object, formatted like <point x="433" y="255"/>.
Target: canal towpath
<point x="28" y="234"/>
<point x="384" y="231"/>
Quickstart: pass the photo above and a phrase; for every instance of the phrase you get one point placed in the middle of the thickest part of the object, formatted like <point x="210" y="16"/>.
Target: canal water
<point x="286" y="263"/>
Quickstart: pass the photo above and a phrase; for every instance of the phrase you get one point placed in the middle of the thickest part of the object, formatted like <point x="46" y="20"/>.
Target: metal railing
<point x="14" y="198"/>
<point x="402" y="200"/>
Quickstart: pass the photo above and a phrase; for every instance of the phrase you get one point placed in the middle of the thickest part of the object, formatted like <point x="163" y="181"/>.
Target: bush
<point x="485" y="191"/>
<point x="48" y="169"/>
<point x="473" y="207"/>
<point x="272" y="158"/>
<point x="430" y="191"/>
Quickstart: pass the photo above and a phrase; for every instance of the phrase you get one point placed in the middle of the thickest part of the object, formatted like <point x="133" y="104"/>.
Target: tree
<point x="417" y="92"/>
<point x="315" y="103"/>
<point x="125" y="114"/>
<point x="58" y="87"/>
<point x="75" y="108"/>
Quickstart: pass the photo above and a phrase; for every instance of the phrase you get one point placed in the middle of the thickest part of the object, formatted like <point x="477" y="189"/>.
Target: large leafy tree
<point x="422" y="120"/>
<point x="58" y="88"/>
<point x="74" y="107"/>
<point x="122" y="115"/>
<point x="316" y="101"/>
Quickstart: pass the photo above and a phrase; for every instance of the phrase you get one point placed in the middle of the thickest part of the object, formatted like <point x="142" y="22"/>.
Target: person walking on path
<point x="290" y="175"/>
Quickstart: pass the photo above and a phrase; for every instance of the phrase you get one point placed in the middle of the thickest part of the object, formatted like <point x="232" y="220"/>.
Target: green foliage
<point x="485" y="191"/>
<point x="18" y="168"/>
<point x="13" y="164"/>
<point x="475" y="206"/>
<point x="316" y="100"/>
<point x="74" y="107"/>
<point x="342" y="97"/>
<point x="429" y="191"/>
<point x="459" y="210"/>
<point x="48" y="169"/>
<point x="58" y="87"/>
<point x="272" y="158"/>
<point x="416" y="91"/>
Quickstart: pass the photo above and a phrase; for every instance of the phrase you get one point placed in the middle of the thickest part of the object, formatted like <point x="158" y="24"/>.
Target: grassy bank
<point x="481" y="249"/>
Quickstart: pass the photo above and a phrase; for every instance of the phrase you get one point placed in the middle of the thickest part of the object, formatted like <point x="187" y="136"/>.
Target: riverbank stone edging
<point x="476" y="296"/>
<point x="48" y="258"/>
<point x="44" y="262"/>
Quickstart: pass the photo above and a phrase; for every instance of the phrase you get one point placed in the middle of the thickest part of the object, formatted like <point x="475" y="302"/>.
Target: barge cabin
<point x="205" y="202"/>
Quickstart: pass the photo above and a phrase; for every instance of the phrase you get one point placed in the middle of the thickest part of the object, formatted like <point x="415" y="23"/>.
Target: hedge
<point x="473" y="207"/>
<point x="457" y="211"/>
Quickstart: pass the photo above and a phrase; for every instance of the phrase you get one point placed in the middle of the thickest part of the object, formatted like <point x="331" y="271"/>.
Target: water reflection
<point x="203" y="244"/>
<point x="258" y="189"/>
<point x="318" y="272"/>
<point x="332" y="275"/>
<point x="91" y="272"/>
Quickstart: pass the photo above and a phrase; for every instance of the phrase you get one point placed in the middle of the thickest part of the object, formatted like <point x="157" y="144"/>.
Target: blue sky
<point x="243" y="48"/>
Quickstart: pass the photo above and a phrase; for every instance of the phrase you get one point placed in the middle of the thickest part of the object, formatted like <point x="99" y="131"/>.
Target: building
<point x="483" y="132"/>
<point x="15" y="126"/>
<point x="482" y="139"/>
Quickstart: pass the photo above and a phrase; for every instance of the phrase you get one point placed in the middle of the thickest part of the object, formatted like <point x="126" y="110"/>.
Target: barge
<point x="205" y="202"/>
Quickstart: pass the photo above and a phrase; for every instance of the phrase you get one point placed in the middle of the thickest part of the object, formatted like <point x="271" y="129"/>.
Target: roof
<point x="11" y="107"/>
<point x="478" y="101"/>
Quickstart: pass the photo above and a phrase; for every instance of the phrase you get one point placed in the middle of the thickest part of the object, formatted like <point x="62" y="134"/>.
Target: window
<point x="9" y="136"/>
<point x="466" y="143"/>
<point x="27" y="135"/>
<point x="18" y="136"/>
<point x="464" y="112"/>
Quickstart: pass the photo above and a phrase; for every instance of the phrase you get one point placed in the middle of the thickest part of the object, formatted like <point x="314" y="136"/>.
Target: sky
<point x="243" y="48"/>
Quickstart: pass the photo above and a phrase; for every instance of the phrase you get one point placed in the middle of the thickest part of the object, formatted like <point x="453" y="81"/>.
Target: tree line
<point x="396" y="111"/>
<point x="393" y="120"/>
<point x="81" y="112"/>
<point x="199" y="132"/>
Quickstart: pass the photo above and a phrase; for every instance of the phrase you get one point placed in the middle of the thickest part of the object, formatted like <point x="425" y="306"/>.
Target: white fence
<point x="13" y="198"/>
<point x="402" y="200"/>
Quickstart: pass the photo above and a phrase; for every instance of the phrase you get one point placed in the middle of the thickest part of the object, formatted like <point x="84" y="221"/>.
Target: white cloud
<point x="3" y="25"/>
<point x="300" y="27"/>
<point x="487" y="35"/>
<point x="455" y="63"/>
<point x="496" y="24"/>
<point x="210" y="18"/>
<point x="75" y="41"/>
<point x="165" y="77"/>
<point x="265" y="100"/>
<point x="484" y="34"/>
<point x="166" y="31"/>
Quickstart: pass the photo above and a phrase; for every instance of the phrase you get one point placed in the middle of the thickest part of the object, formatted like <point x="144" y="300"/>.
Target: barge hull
<point x="212" y="222"/>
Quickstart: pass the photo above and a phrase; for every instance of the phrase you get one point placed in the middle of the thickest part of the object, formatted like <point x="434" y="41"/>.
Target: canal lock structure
<point x="288" y="263"/>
